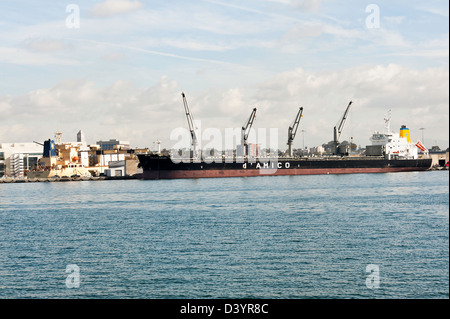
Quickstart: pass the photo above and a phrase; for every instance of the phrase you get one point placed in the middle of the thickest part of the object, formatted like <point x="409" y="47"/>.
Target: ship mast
<point x="293" y="131"/>
<point x="191" y="125"/>
<point x="387" y="121"/>
<point x="58" y="138"/>
<point x="158" y="146"/>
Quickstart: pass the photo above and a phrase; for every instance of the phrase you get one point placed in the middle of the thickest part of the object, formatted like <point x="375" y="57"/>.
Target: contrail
<point x="269" y="14"/>
<point x="224" y="4"/>
<point x="170" y="55"/>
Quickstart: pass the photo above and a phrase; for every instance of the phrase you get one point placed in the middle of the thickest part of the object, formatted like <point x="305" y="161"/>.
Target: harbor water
<point x="293" y="237"/>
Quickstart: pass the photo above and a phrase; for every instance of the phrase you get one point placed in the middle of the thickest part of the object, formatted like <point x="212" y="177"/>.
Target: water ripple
<point x="263" y="237"/>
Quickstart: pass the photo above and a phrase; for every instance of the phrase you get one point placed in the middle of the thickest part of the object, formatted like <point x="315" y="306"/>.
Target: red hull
<point x="182" y="174"/>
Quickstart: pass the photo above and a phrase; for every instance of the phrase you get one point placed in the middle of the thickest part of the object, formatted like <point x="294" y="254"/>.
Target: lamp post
<point x="422" y="129"/>
<point x="303" y="131"/>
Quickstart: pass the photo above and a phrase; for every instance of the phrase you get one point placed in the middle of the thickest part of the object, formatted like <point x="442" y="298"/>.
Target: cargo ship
<point x="162" y="167"/>
<point x="58" y="161"/>
<point x="389" y="152"/>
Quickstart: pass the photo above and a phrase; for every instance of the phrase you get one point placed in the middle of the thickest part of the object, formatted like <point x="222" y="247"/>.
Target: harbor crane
<point x="293" y="131"/>
<point x="246" y="131"/>
<point x="192" y="127"/>
<point x="338" y="131"/>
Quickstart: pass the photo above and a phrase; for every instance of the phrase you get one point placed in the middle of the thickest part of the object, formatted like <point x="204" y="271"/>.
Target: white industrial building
<point x="16" y="158"/>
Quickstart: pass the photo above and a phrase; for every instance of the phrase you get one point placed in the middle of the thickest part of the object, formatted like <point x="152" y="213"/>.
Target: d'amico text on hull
<point x="162" y="167"/>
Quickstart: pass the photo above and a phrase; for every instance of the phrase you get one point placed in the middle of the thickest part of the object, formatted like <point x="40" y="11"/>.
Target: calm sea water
<point x="261" y="237"/>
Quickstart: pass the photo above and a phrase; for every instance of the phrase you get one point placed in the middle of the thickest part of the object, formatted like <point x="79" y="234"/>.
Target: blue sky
<point x="120" y="74"/>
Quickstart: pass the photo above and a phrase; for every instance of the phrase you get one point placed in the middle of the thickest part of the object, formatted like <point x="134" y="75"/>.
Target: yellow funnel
<point x="404" y="132"/>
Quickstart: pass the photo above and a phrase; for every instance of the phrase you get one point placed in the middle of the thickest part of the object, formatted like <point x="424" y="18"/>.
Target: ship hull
<point x="155" y="167"/>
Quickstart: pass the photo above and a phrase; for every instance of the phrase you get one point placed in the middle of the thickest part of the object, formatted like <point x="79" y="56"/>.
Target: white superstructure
<point x="396" y="144"/>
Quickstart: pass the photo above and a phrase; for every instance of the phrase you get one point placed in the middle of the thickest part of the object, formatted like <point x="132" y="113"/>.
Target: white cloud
<point x="302" y="5"/>
<point x="72" y="105"/>
<point x="303" y="30"/>
<point x="45" y="44"/>
<point x="193" y="44"/>
<point x="342" y="32"/>
<point x="19" y="56"/>
<point x="306" y="5"/>
<point x="418" y="98"/>
<point x="394" y="19"/>
<point x="112" y="7"/>
<point x="435" y="11"/>
<point x="374" y="89"/>
<point x="426" y="53"/>
<point x="17" y="133"/>
<point x="5" y="108"/>
<point x="114" y="57"/>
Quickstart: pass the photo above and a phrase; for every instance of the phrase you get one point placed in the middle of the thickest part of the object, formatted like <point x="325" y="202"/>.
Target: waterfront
<point x="261" y="237"/>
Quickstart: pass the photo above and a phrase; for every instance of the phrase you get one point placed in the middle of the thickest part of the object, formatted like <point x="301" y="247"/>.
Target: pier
<point x="66" y="179"/>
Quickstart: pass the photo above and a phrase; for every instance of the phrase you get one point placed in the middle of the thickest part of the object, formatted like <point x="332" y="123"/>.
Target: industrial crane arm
<point x="190" y="120"/>
<point x="248" y="125"/>
<point x="293" y="131"/>
<point x="338" y="131"/>
<point x="340" y="127"/>
<point x="192" y="127"/>
<point x="294" y="127"/>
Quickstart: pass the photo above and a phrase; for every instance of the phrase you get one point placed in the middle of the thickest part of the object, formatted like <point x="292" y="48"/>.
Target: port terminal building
<point x="17" y="158"/>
